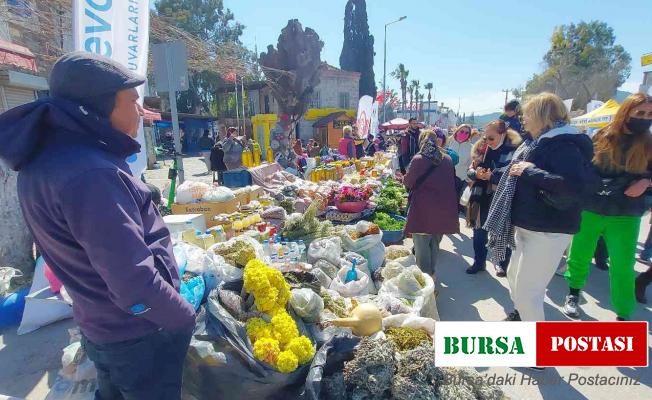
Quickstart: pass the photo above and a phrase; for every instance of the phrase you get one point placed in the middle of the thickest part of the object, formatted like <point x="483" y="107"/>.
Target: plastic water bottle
<point x="302" y="249"/>
<point x="220" y="236"/>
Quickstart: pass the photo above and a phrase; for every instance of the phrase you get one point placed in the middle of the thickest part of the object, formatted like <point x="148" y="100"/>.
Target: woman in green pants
<point x="622" y="158"/>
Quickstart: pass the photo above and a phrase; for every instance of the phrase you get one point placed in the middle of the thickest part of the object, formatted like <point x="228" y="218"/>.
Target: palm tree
<point x="429" y="86"/>
<point x="411" y="91"/>
<point x="401" y="74"/>
<point x="417" y="86"/>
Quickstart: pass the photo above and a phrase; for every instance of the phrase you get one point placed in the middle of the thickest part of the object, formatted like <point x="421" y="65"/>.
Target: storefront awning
<point x="17" y="56"/>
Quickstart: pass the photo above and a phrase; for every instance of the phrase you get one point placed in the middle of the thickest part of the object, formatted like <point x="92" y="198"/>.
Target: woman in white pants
<point x="536" y="208"/>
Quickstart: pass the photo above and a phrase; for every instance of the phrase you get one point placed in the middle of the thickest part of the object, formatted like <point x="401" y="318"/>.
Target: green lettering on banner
<point x="517" y="346"/>
<point x="451" y="345"/>
<point x="501" y="345"/>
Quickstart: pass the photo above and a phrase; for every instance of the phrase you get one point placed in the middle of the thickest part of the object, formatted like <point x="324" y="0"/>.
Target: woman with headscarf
<point x="432" y="211"/>
<point x="623" y="160"/>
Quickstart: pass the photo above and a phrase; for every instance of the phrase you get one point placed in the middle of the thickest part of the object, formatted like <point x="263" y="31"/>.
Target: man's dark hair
<point x="513" y="105"/>
<point x="412" y="119"/>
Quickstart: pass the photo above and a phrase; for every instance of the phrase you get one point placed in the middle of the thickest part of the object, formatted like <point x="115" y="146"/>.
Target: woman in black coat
<point x="217" y="163"/>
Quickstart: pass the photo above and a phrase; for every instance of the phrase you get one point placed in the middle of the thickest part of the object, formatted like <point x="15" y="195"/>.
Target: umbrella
<point x="398" y="123"/>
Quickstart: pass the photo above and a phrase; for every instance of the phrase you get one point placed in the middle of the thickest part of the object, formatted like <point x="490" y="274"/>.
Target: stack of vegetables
<point x="391" y="199"/>
<point x="277" y="341"/>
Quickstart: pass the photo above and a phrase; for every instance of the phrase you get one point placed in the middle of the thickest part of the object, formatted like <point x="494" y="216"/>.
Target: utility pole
<point x="385" y="66"/>
<point x="506" y="93"/>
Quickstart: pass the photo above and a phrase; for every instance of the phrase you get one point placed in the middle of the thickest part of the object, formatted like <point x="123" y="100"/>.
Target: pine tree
<point x="358" y="47"/>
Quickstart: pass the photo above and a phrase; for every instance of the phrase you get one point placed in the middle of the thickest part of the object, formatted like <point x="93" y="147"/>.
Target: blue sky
<point x="469" y="49"/>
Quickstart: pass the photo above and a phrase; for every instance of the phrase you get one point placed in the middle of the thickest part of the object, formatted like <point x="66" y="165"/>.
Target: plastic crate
<point x="393" y="237"/>
<point x="237" y="179"/>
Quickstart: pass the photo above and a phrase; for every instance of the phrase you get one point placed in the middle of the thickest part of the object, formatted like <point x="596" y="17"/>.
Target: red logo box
<point x="592" y="344"/>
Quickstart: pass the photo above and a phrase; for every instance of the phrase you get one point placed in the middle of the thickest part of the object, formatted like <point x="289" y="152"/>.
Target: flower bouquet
<point x="349" y="199"/>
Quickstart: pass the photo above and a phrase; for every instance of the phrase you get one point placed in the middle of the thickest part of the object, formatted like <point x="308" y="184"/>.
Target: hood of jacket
<point x="26" y="130"/>
<point x="571" y="134"/>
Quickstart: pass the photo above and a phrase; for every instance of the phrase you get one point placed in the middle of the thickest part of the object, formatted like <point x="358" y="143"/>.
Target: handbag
<point x="466" y="196"/>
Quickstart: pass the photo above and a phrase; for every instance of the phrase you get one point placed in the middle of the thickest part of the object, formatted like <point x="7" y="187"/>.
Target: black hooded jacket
<point x="563" y="168"/>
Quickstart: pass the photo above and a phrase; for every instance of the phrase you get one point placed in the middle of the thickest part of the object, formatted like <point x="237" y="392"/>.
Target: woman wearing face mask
<point x="462" y="142"/>
<point x="500" y="145"/>
<point x="623" y="157"/>
<point x="536" y="207"/>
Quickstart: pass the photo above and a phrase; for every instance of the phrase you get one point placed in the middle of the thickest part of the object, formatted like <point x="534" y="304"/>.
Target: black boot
<point x="642" y="283"/>
<point x="513" y="316"/>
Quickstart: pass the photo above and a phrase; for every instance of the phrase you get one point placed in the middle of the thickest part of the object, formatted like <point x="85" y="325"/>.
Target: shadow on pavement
<point x="31" y="356"/>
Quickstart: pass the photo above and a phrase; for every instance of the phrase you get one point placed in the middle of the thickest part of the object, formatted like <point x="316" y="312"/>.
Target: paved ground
<point x="28" y="364"/>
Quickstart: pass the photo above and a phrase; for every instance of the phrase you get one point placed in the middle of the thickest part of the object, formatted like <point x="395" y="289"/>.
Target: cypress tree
<point x="358" y="47"/>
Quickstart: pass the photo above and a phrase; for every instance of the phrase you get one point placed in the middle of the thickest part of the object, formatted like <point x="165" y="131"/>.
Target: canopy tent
<point x="398" y="123"/>
<point x="599" y="117"/>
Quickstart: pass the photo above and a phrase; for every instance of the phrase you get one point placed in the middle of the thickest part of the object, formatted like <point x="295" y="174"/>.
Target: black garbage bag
<point x="329" y="361"/>
<point x="221" y="365"/>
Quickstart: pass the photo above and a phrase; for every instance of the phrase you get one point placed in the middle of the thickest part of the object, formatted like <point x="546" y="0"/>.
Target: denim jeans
<point x="646" y="254"/>
<point x="146" y="368"/>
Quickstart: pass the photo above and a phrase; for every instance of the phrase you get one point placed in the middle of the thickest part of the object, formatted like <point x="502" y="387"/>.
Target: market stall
<point x="599" y="117"/>
<point x="303" y="289"/>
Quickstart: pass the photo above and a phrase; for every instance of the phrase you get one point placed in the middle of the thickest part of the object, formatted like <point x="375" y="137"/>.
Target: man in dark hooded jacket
<point x="97" y="227"/>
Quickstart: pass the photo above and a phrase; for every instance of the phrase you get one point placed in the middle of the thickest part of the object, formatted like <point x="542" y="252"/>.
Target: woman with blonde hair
<point x="623" y="157"/>
<point x="536" y="207"/>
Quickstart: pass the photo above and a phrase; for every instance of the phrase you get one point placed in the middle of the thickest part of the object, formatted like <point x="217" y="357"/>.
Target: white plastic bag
<point x="307" y="304"/>
<point x="42" y="307"/>
<point x="6" y="275"/>
<point x="258" y="248"/>
<point x="198" y="260"/>
<point x="362" y="266"/>
<point x="410" y="321"/>
<point x="324" y="279"/>
<point x="329" y="269"/>
<point x="190" y="191"/>
<point x="391" y="270"/>
<point x="370" y="247"/>
<point x="466" y="196"/>
<point x="220" y="271"/>
<point x="218" y="194"/>
<point x="407" y="261"/>
<point x="353" y="288"/>
<point x="422" y="301"/>
<point x="328" y="249"/>
<point x="76" y="365"/>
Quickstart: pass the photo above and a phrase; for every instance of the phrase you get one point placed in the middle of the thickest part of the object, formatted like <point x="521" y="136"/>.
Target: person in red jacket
<point x="346" y="146"/>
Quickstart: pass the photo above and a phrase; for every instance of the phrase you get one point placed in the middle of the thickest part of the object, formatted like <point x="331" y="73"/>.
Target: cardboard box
<point x="209" y="210"/>
<point x="255" y="193"/>
<point x="242" y="195"/>
<point x="179" y="222"/>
